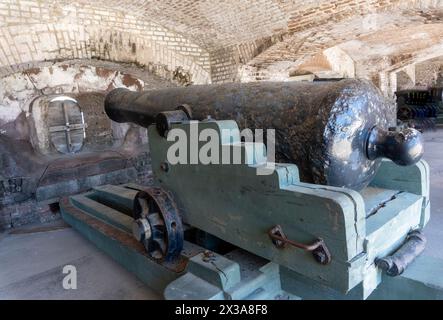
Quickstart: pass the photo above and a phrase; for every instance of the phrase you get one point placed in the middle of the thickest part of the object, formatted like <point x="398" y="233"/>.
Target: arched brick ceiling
<point x="394" y="48"/>
<point x="265" y="33"/>
<point x="218" y="24"/>
<point x="213" y="24"/>
<point x="216" y="37"/>
<point x="35" y="31"/>
<point x="383" y="22"/>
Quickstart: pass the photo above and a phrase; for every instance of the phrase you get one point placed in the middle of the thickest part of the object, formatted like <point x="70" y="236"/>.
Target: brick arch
<point x="77" y="42"/>
<point x="319" y="27"/>
<point x="404" y="81"/>
<point x="216" y="38"/>
<point x="389" y="76"/>
<point x="429" y="72"/>
<point x="33" y="32"/>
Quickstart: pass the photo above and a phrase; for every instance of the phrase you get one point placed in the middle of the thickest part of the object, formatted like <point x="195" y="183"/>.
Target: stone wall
<point x="227" y="62"/>
<point x="20" y="214"/>
<point x="430" y="73"/>
<point x="404" y="81"/>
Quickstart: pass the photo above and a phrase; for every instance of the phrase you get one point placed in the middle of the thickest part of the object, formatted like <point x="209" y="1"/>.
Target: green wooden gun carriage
<point x="222" y="231"/>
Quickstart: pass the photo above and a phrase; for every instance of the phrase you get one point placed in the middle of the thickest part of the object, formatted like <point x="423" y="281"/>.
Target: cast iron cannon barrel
<point x="336" y="132"/>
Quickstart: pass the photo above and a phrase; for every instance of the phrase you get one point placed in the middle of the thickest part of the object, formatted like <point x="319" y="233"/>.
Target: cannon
<point x="338" y="224"/>
<point x="336" y="132"/>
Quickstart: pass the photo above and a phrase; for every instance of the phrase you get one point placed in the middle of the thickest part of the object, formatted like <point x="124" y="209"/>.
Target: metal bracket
<point x="165" y="119"/>
<point x="318" y="248"/>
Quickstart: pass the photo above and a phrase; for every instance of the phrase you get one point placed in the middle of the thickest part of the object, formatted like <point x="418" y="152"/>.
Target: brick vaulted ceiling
<point x="217" y="38"/>
<point x="213" y="24"/>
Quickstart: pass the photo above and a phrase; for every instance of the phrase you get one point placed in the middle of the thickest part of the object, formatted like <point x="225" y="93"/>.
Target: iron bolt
<point x="319" y="256"/>
<point x="209" y="256"/>
<point x="164" y="167"/>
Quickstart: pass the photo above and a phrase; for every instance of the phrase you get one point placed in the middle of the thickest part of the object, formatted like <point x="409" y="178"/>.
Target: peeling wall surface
<point x="33" y="170"/>
<point x="18" y="90"/>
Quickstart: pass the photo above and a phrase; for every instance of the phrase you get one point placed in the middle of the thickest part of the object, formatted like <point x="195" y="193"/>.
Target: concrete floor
<point x="31" y="260"/>
<point x="434" y="156"/>
<point x="31" y="267"/>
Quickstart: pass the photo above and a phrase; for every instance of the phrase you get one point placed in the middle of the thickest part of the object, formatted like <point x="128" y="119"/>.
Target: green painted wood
<point x="240" y="207"/>
<point x="218" y="271"/>
<point x="305" y="211"/>
<point x="192" y="287"/>
<point x="421" y="281"/>
<point x="103" y="212"/>
<point x="388" y="216"/>
<point x="375" y="197"/>
<point x="299" y="285"/>
<point x="386" y="232"/>
<point x="117" y="197"/>
<point x="414" y="179"/>
<point x="202" y="281"/>
<point x="155" y="275"/>
<point x="266" y="285"/>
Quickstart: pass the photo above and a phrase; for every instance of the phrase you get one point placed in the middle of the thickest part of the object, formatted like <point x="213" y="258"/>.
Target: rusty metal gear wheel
<point x="157" y="224"/>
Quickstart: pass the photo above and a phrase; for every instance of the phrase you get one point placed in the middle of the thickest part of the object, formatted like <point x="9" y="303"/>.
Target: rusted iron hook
<point x="318" y="248"/>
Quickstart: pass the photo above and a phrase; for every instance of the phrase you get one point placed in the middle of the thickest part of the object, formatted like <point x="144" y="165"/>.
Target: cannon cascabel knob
<point x="404" y="147"/>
